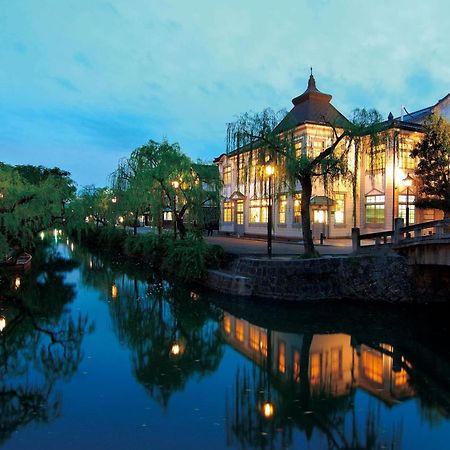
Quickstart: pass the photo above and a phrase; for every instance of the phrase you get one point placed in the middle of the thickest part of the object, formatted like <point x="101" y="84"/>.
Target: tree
<point x="433" y="168"/>
<point x="159" y="176"/>
<point x="270" y="136"/>
<point x="31" y="199"/>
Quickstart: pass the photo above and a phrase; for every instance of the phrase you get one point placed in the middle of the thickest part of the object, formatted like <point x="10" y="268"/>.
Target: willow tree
<point x="433" y="168"/>
<point x="260" y="134"/>
<point x="159" y="176"/>
<point x="31" y="199"/>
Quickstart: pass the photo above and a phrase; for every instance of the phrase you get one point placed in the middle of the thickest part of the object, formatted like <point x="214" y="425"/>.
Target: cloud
<point x="109" y="75"/>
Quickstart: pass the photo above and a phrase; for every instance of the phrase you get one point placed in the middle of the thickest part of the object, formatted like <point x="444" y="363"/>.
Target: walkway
<point x="247" y="246"/>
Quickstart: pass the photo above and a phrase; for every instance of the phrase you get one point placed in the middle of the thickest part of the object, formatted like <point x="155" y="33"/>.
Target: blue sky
<point x="83" y="83"/>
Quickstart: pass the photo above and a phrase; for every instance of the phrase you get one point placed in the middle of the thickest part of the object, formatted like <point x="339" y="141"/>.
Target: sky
<point x="83" y="83"/>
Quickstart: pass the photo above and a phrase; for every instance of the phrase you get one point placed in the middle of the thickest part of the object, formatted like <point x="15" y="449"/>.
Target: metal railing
<point x="401" y="235"/>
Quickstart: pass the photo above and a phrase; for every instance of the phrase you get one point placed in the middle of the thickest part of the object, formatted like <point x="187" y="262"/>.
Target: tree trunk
<point x="308" y="243"/>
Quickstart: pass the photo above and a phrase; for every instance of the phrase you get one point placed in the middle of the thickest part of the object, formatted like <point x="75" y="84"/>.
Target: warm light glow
<point x="120" y="219"/>
<point x="114" y="200"/>
<point x="175" y="350"/>
<point x="72" y="246"/>
<point x="90" y="264"/>
<point x="2" y="323"/>
<point x="270" y="170"/>
<point x="42" y="235"/>
<point x="176" y="184"/>
<point x="55" y="232"/>
<point x="114" y="291"/>
<point x="1" y="195"/>
<point x="194" y="295"/>
<point x="17" y="283"/>
<point x="408" y="181"/>
<point x="86" y="219"/>
<point x="267" y="410"/>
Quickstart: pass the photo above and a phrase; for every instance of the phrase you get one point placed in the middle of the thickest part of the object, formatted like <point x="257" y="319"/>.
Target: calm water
<point x="95" y="355"/>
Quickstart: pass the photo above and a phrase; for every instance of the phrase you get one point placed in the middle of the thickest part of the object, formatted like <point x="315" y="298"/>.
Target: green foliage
<point x="31" y="199"/>
<point x="433" y="168"/>
<point x="188" y="260"/>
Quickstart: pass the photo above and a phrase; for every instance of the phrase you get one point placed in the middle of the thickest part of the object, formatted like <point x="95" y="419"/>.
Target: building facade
<point x="380" y="196"/>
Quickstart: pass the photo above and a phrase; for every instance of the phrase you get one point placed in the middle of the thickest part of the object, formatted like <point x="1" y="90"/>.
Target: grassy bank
<point x="185" y="260"/>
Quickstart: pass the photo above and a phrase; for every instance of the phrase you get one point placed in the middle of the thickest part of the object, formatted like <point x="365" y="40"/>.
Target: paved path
<point x="246" y="246"/>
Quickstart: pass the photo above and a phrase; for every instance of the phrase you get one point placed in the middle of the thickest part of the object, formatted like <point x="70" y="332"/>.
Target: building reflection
<point x="337" y="363"/>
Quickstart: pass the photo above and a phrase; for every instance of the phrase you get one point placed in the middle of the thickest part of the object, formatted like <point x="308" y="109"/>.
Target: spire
<point x="311" y="90"/>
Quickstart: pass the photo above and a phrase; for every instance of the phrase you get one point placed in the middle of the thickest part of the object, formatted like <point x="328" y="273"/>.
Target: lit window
<point x="297" y="208"/>
<point x="282" y="202"/>
<point x="227" y="324"/>
<point x="298" y="148"/>
<point x="376" y="159"/>
<point x="405" y="160"/>
<point x="372" y="363"/>
<point x="402" y="208"/>
<point x="239" y="332"/>
<point x="317" y="148"/>
<point x="258" y="211"/>
<point x="281" y="357"/>
<point x="227" y="211"/>
<point x="296" y="366"/>
<point x="167" y="216"/>
<point x="315" y="368"/>
<point x="227" y="175"/>
<point x="240" y="212"/>
<point x="400" y="378"/>
<point x="336" y="363"/>
<point x="375" y="209"/>
<point x="254" y="338"/>
<point x="339" y="209"/>
<point x="319" y="216"/>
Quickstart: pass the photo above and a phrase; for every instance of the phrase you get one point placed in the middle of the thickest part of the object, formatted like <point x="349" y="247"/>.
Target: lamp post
<point x="270" y="170"/>
<point x="408" y="182"/>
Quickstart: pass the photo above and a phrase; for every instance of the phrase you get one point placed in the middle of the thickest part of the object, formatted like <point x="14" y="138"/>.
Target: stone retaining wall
<point x="368" y="278"/>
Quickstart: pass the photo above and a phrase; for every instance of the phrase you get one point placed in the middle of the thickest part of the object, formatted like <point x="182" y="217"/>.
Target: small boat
<point x="21" y="263"/>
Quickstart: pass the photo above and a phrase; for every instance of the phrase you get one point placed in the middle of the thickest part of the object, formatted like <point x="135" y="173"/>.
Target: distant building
<point x="380" y="198"/>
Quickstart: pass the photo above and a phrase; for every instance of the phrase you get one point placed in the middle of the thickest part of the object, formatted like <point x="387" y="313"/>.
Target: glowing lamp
<point x="17" y="283"/>
<point x="120" y="219"/>
<point x="408" y="181"/>
<point x="175" y="349"/>
<point x="270" y="170"/>
<point x="1" y="195"/>
<point x="175" y="184"/>
<point x="2" y="323"/>
<point x="114" y="200"/>
<point x="267" y="410"/>
<point x="114" y="291"/>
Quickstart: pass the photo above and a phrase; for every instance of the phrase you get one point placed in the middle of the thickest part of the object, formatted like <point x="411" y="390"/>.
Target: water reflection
<point x="312" y="382"/>
<point x="40" y="342"/>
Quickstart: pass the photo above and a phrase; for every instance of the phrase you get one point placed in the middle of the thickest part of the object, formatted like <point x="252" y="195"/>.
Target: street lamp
<point x="114" y="199"/>
<point x="270" y="170"/>
<point x="408" y="182"/>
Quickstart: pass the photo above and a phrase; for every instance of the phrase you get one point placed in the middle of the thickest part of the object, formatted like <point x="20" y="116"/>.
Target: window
<point x="167" y="216"/>
<point x="406" y="147"/>
<point x="281" y="357"/>
<point x="297" y="208"/>
<point x="240" y="212"/>
<point x="227" y="324"/>
<point x="227" y="211"/>
<point x="227" y="175"/>
<point x="336" y="363"/>
<point x="400" y="378"/>
<point x="339" y="209"/>
<point x="315" y="368"/>
<point x="296" y="366"/>
<point x="372" y="363"/>
<point x="402" y="207"/>
<point x="241" y="172"/>
<point x="258" y="210"/>
<point x="239" y="331"/>
<point x="320" y="216"/>
<point x="282" y="202"/>
<point x="375" y="209"/>
<point x="298" y="146"/>
<point x="376" y="158"/>
<point x="317" y="148"/>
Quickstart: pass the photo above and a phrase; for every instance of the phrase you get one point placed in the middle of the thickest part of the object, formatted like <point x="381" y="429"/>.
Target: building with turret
<point x="372" y="203"/>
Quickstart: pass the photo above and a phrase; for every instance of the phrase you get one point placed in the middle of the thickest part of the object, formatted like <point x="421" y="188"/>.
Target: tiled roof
<point x="314" y="107"/>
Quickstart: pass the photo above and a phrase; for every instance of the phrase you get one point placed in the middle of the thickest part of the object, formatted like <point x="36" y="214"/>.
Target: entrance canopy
<point x="321" y="200"/>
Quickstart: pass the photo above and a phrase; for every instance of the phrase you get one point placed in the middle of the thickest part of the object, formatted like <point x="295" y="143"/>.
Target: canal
<point x="97" y="355"/>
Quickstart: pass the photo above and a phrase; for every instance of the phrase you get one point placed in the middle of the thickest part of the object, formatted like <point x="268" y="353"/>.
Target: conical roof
<point x="313" y="106"/>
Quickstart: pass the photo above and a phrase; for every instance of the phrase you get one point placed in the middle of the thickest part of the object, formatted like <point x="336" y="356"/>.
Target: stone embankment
<point x="367" y="278"/>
